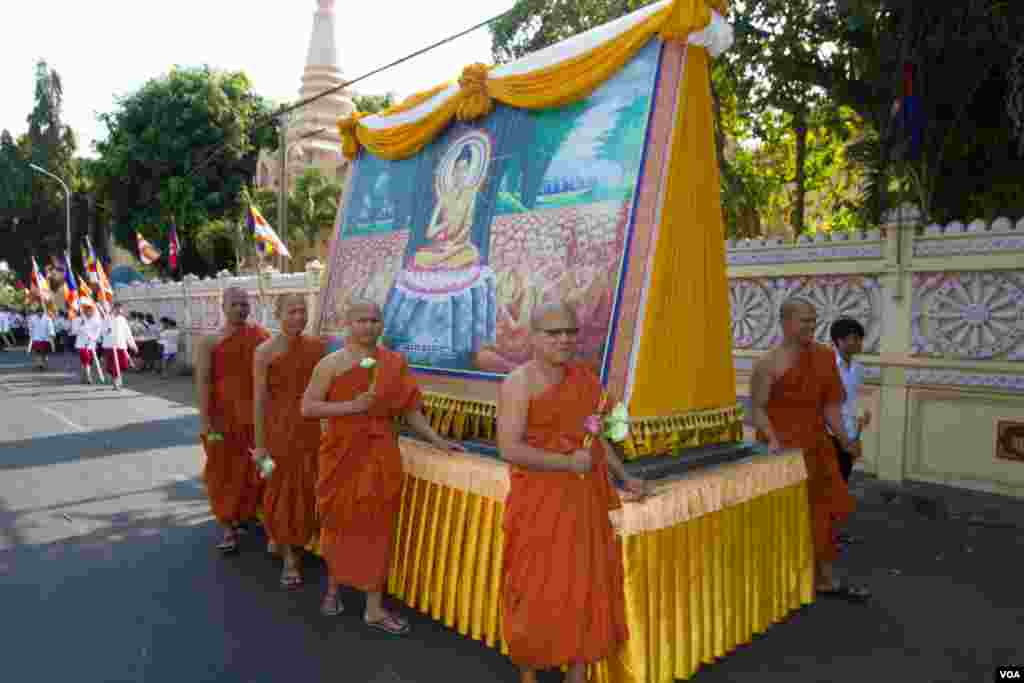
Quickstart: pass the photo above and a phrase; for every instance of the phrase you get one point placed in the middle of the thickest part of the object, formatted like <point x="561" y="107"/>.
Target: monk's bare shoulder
<point x="333" y="364"/>
<point x="767" y="366"/>
<point x="519" y="379"/>
<point x="207" y="342"/>
<point x="264" y="349"/>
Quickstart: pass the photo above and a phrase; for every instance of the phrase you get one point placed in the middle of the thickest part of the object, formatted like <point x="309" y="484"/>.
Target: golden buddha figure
<point x="450" y="229"/>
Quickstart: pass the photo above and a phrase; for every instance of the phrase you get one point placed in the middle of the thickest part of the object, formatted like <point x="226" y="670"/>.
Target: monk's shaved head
<point x="232" y="293"/>
<point x="359" y="305"/>
<point x="285" y="300"/>
<point x="795" y="306"/>
<point x="562" y="311"/>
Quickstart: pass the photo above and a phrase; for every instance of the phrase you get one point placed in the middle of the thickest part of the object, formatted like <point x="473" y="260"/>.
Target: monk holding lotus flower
<point x="563" y="599"/>
<point x="224" y="385"/>
<point x="286" y="443"/>
<point x="362" y="389"/>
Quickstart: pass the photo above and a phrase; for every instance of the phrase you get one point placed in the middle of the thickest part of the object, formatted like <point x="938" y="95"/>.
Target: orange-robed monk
<point x="223" y="363"/>
<point x="283" y="368"/>
<point x="797" y="396"/>
<point x="362" y="389"/>
<point x="562" y="584"/>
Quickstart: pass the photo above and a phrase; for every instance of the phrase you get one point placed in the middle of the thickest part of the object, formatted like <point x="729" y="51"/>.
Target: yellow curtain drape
<point x="553" y="86"/>
<point x="695" y="591"/>
<point x="687" y="331"/>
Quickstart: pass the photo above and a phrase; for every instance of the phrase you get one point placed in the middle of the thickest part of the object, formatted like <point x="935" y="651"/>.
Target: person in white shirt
<point x="117" y="339"/>
<point x="41" y="332"/>
<point x="848" y="340"/>
<point x="168" y="345"/>
<point x="63" y="327"/>
<point x="6" y="328"/>
<point x="87" y="329"/>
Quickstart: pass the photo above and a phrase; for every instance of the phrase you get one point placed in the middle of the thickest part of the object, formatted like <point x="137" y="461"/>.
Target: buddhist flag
<point x="70" y="287"/>
<point x="39" y="283"/>
<point x="173" y="246"/>
<point x="148" y="254"/>
<point x="84" y="291"/>
<point x="267" y="240"/>
<point x="106" y="291"/>
<point x="91" y="264"/>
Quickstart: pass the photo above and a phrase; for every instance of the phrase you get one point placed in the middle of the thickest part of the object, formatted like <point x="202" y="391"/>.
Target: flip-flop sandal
<point x="229" y="544"/>
<point x="331" y="606"/>
<point x="391" y="624"/>
<point x="849" y="592"/>
<point x="291" y="581"/>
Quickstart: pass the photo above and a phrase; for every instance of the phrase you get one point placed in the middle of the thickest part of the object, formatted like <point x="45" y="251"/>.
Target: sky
<point x="103" y="49"/>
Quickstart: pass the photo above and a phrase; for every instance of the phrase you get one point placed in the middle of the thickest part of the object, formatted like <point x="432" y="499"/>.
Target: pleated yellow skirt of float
<point x="711" y="560"/>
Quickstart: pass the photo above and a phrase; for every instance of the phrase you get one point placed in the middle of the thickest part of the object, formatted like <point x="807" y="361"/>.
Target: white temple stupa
<point x="306" y="147"/>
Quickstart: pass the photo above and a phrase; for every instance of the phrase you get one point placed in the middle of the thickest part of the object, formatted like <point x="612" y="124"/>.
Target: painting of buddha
<point x="451" y="225"/>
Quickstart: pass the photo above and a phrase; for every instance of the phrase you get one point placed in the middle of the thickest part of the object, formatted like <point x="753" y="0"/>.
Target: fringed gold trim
<point x="654" y="436"/>
<point x="462" y="419"/>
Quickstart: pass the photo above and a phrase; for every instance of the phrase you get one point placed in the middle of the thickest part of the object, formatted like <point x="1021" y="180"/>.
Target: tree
<point x="623" y="143"/>
<point x="32" y="206"/>
<point x="371" y="104"/>
<point x="535" y="24"/>
<point x="189" y="142"/>
<point x="312" y="205"/>
<point x="855" y="51"/>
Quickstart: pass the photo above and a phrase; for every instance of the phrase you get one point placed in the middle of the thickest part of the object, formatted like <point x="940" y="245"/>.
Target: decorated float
<point x="584" y="173"/>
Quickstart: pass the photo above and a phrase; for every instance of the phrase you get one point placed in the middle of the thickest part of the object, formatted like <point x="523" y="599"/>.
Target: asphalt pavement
<point x="108" y="573"/>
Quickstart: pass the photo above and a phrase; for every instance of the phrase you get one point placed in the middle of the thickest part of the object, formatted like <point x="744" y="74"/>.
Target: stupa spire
<point x="323" y="49"/>
<point x="323" y="72"/>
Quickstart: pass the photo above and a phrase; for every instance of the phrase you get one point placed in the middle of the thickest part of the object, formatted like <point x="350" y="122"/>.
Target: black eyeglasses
<point x="562" y="331"/>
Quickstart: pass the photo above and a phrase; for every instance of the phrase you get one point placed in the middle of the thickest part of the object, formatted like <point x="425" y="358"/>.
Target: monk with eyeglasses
<point x="563" y="600"/>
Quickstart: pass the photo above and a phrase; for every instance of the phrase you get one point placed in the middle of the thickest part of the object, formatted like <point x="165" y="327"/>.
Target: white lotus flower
<point x="617" y="431"/>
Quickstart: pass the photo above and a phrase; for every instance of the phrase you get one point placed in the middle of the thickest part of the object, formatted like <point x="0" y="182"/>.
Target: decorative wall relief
<point x="755" y="306"/>
<point x="822" y="247"/>
<point x="975" y="315"/>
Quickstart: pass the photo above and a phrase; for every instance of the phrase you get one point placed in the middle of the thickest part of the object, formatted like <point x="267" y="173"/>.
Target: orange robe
<point x="359" y="489"/>
<point x="232" y="481"/>
<point x="796" y="410"/>
<point x="289" y="495"/>
<point x="563" y="599"/>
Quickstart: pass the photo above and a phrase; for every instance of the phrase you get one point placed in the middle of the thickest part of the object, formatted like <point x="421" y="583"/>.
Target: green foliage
<point x="535" y="24"/>
<point x="186" y="143"/>
<point x="552" y="129"/>
<point x="217" y="241"/>
<point x="32" y="205"/>
<point x="11" y="297"/>
<point x="371" y="104"/>
<point x="623" y="143"/>
<point x="508" y="203"/>
<point x="804" y="102"/>
<point x="312" y="205"/>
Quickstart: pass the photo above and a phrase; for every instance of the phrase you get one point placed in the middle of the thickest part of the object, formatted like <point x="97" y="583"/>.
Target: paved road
<point x="107" y="572"/>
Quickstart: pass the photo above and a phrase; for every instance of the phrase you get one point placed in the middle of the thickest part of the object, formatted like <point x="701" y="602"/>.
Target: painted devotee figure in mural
<point x="562" y="591"/>
<point x="441" y="308"/>
<point x="587" y="291"/>
<point x="451" y="225"/>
